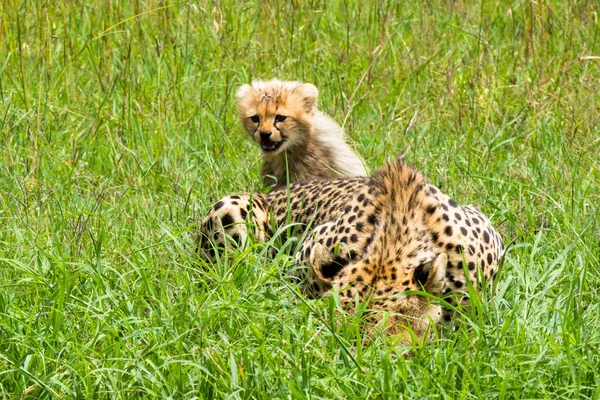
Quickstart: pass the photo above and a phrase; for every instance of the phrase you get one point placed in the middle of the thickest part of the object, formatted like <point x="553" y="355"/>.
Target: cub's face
<point x="277" y="115"/>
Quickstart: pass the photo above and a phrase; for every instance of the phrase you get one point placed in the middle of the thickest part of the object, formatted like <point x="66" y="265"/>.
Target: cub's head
<point x="276" y="114"/>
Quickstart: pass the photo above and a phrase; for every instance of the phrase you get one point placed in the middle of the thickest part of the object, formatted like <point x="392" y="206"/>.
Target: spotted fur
<point x="375" y="238"/>
<point x="297" y="140"/>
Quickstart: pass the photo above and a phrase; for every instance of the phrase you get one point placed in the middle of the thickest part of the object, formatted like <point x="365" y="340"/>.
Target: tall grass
<point x="118" y="132"/>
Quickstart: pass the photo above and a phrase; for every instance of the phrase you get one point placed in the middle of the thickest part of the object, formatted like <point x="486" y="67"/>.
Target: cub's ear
<point x="243" y="92"/>
<point x="431" y="275"/>
<point x="309" y="94"/>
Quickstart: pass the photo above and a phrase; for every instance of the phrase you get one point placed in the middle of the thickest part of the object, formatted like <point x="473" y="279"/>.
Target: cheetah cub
<point x="283" y="119"/>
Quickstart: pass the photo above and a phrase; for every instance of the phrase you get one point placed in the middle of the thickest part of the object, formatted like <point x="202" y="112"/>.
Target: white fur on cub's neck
<point x="327" y="131"/>
<point x="324" y="155"/>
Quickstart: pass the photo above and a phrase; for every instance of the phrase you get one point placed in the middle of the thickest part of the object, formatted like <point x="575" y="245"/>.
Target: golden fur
<point x="283" y="119"/>
<point x="374" y="239"/>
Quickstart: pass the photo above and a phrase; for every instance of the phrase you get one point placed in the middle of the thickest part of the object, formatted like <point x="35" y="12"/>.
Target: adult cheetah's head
<point x="388" y="289"/>
<point x="416" y="312"/>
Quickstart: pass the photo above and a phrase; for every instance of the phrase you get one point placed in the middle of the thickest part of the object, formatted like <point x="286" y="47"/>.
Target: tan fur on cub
<point x="283" y="119"/>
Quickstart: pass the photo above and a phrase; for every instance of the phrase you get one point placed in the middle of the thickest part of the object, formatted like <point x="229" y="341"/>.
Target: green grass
<point x="118" y="132"/>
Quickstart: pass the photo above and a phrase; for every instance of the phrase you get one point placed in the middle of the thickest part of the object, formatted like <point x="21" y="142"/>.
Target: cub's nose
<point x="265" y="135"/>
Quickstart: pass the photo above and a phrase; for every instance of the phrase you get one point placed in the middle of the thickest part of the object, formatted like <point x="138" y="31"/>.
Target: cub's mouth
<point x="268" y="146"/>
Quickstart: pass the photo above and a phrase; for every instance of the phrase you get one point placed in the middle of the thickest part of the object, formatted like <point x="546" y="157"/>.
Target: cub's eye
<point x="255" y="119"/>
<point x="280" y="118"/>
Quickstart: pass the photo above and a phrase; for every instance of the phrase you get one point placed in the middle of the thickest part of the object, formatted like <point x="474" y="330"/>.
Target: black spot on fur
<point x="445" y="217"/>
<point x="226" y="220"/>
<point x="489" y="258"/>
<point x="351" y="219"/>
<point x="430" y="209"/>
<point x="368" y="242"/>
<point x="218" y="205"/>
<point x="359" y="226"/>
<point x="458" y="217"/>
<point x="354" y="238"/>
<point x="463" y="230"/>
<point x="452" y="203"/>
<point x="243" y="213"/>
<point x="486" y="237"/>
<point x="372" y="219"/>
<point x="361" y="197"/>
<point x="236" y="238"/>
<point x="435" y="237"/>
<point x="448" y="230"/>
<point x="471" y="265"/>
<point x="421" y="274"/>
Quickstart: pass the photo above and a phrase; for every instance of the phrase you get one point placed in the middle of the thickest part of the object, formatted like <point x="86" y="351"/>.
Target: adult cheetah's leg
<point x="228" y="221"/>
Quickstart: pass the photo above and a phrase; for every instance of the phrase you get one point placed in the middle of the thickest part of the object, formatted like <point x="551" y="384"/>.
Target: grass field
<point x="118" y="133"/>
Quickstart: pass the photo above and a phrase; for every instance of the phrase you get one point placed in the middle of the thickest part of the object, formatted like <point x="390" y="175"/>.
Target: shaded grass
<point x="118" y="133"/>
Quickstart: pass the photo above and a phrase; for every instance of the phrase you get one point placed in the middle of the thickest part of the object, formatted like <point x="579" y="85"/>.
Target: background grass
<point x="118" y="132"/>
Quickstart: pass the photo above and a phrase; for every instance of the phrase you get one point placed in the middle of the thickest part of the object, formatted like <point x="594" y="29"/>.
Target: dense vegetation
<point x="118" y="132"/>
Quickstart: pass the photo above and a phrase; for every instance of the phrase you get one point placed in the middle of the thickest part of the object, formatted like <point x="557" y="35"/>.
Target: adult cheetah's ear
<point x="309" y="94"/>
<point x="432" y="275"/>
<point x="324" y="264"/>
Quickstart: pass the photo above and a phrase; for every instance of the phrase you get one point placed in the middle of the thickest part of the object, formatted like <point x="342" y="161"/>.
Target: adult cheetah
<point x="374" y="238"/>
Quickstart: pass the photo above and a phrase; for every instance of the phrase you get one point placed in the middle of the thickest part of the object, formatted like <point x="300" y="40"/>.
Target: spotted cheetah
<point x="374" y="238"/>
<point x="297" y="140"/>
